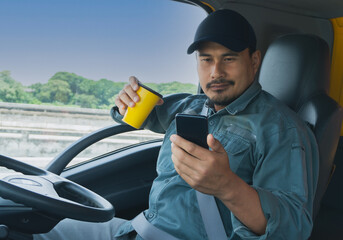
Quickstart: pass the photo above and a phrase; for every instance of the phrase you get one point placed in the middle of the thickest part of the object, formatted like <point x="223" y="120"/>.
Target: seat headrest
<point x="296" y="67"/>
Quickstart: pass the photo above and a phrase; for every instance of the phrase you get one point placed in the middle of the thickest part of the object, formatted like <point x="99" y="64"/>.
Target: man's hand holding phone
<point x="206" y="170"/>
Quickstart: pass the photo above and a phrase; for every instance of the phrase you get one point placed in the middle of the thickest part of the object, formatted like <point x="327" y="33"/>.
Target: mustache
<point x="219" y="81"/>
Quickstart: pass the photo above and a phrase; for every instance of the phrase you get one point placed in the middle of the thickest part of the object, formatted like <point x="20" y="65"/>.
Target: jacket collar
<point x="242" y="101"/>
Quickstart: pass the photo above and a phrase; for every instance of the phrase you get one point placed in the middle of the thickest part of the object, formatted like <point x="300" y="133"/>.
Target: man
<point x="262" y="165"/>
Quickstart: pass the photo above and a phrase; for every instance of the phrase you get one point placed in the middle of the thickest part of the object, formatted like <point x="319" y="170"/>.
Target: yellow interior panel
<point x="207" y="4"/>
<point x="336" y="82"/>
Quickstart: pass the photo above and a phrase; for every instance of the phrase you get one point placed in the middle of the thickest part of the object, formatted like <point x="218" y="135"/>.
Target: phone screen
<point x="193" y="128"/>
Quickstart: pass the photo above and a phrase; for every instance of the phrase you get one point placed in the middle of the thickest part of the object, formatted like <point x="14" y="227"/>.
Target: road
<point x="36" y="134"/>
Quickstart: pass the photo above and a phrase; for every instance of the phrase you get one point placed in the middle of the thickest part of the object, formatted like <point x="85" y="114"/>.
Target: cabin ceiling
<point x="315" y="8"/>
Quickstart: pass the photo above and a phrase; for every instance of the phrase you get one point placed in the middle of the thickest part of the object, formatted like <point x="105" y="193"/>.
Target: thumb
<point x="214" y="144"/>
<point x="160" y="102"/>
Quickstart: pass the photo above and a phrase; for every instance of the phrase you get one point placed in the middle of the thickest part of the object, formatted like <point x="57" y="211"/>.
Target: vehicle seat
<point x="296" y="70"/>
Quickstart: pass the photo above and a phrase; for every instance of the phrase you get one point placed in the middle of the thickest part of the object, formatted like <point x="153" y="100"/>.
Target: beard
<point x="221" y="99"/>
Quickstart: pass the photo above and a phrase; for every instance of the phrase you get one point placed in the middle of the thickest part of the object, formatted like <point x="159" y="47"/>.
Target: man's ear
<point x="256" y="60"/>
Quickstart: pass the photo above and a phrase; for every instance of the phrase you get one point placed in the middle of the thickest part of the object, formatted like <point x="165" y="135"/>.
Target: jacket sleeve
<point x="285" y="179"/>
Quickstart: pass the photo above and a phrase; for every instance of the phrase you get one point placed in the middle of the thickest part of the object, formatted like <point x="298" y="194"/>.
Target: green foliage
<point x="69" y="89"/>
<point x="81" y="87"/>
<point x="76" y="83"/>
<point x="173" y="87"/>
<point x="54" y="91"/>
<point x="12" y="91"/>
<point x="85" y="101"/>
<point x="105" y="89"/>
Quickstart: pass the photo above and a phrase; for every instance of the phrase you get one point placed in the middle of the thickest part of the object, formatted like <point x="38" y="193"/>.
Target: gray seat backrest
<point x="296" y="70"/>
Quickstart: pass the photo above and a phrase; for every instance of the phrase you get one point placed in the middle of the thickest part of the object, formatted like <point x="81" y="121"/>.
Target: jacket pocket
<point x="238" y="143"/>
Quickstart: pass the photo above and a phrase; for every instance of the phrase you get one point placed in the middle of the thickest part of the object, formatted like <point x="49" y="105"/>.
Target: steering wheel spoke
<point x="52" y="194"/>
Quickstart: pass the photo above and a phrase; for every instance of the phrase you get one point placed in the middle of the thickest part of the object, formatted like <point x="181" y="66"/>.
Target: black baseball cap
<point x="227" y="28"/>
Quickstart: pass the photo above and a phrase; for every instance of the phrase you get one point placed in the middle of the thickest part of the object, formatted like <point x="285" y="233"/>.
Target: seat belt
<point x="208" y="210"/>
<point x="209" y="213"/>
<point x="211" y="217"/>
<point x="148" y="231"/>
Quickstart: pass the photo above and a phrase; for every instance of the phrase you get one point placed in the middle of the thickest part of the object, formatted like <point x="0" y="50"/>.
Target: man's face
<point x="224" y="74"/>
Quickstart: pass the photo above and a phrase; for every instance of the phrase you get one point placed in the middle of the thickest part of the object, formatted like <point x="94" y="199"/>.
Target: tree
<point x="173" y="87"/>
<point x="85" y="101"/>
<point x="71" y="89"/>
<point x="10" y="90"/>
<point x="105" y="89"/>
<point x="60" y="91"/>
<point x="77" y="84"/>
<point x="53" y="91"/>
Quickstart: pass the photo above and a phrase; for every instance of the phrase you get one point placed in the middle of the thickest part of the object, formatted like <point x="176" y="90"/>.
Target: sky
<point x="96" y="39"/>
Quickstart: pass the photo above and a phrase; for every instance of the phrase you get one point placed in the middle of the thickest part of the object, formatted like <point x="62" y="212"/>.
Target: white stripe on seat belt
<point x="148" y="231"/>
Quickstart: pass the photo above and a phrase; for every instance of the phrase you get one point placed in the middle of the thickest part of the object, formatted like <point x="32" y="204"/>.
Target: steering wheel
<point x="52" y="194"/>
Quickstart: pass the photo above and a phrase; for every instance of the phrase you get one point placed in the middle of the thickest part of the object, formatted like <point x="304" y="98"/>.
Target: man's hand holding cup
<point x="135" y="102"/>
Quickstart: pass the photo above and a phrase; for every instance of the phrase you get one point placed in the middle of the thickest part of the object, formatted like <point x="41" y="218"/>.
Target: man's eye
<point x="228" y="59"/>
<point x="205" y="59"/>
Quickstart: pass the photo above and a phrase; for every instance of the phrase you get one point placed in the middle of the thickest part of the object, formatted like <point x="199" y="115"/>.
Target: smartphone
<point x="193" y="128"/>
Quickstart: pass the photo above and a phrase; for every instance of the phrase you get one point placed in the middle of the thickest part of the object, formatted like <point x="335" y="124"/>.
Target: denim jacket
<point x="268" y="146"/>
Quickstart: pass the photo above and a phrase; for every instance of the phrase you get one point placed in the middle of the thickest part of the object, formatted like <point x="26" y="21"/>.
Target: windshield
<point x="63" y="62"/>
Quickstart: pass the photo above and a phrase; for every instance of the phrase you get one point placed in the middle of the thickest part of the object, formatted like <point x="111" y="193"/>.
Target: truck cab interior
<point x="302" y="47"/>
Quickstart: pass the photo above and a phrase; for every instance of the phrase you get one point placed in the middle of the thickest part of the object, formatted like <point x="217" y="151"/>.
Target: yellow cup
<point x="135" y="116"/>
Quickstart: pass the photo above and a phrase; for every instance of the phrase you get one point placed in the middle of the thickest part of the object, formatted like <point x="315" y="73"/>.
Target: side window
<point x="62" y="64"/>
<point x="114" y="143"/>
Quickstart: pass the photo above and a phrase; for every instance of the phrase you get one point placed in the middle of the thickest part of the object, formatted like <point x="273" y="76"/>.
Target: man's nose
<point x="217" y="71"/>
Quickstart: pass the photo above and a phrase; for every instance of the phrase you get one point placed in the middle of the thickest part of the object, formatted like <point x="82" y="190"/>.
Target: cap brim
<point x="231" y="43"/>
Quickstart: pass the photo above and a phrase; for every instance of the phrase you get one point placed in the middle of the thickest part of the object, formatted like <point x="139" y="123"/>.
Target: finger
<point x="191" y="148"/>
<point x="184" y="176"/>
<point x="186" y="171"/>
<point x="122" y="107"/>
<point x="183" y="159"/>
<point x="134" y="83"/>
<point x="133" y="96"/>
<point x="125" y="99"/>
<point x="182" y="167"/>
<point x="187" y="177"/>
<point x="192" y="178"/>
<point x="160" y="102"/>
<point x="214" y="144"/>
